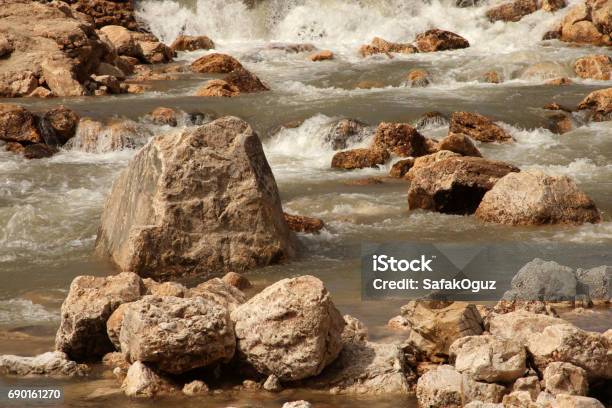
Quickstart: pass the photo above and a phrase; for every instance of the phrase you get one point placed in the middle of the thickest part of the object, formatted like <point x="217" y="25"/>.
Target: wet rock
<point x="17" y="124"/>
<point x="192" y="43"/>
<point x="123" y="41"/>
<point x="594" y="67"/>
<point x="14" y="147"/>
<point x="439" y="40"/>
<point x="400" y="139"/>
<point x="61" y="122"/>
<point x="143" y="382"/>
<point x="291" y="329"/>
<point x="359" y="158"/>
<point x="534" y="198"/>
<point x="559" y="82"/>
<point x="218" y="87"/>
<point x="297" y="404"/>
<point x="544" y="281"/>
<point x="237" y="280"/>
<point x="219" y="292"/>
<point x="459" y="143"/>
<point x="553" y="5"/>
<point x="38" y="151"/>
<point x="400" y="168"/>
<point x="300" y="223"/>
<point x="492" y="77"/>
<point x="90" y="302"/>
<point x="565" y="378"/>
<point x="530" y="384"/>
<point x="381" y="46"/>
<point x="164" y="116"/>
<point x="110" y="83"/>
<point x="574" y="401"/>
<point x="455" y="185"/>
<point x="113" y="325"/>
<point x="478" y="127"/>
<point x="489" y="358"/>
<point x="215" y="64"/>
<point x="588" y="23"/>
<point x="272" y="384"/>
<point x="155" y="52"/>
<point x="439" y="324"/>
<point x="567" y="343"/>
<point x="175" y="334"/>
<point x="544" y="70"/>
<point x="597" y="282"/>
<point x="431" y="119"/>
<point x="322" y="56"/>
<point x="174" y="199"/>
<point x="295" y="48"/>
<point x="194" y="388"/>
<point x="245" y="81"/>
<point x="346" y="132"/>
<point x="512" y="11"/>
<point x="560" y="123"/>
<point x="95" y="137"/>
<point x="600" y="103"/>
<point x="50" y="364"/>
<point x="418" y="78"/>
<point x="520" y="325"/>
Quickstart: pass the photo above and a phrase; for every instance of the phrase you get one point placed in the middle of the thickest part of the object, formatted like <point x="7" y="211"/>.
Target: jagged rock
<point x="543" y="281"/>
<point x="459" y="143"/>
<point x="300" y="223"/>
<point x="218" y="87"/>
<point x="512" y="11"/>
<point x="291" y="329"/>
<point x="215" y="64"/>
<point x="164" y="116"/>
<point x="346" y="132"/>
<point x="600" y="103"/>
<point x="175" y="334"/>
<point x="575" y="401"/>
<point x="400" y="139"/>
<point x="565" y="378"/>
<point x="567" y="343"/>
<point x="107" y="12"/>
<point x="322" y="56"/>
<point x="14" y="84"/>
<point x="62" y="122"/>
<point x="530" y="384"/>
<point x="477" y="127"/>
<point x="272" y="384"/>
<point x="439" y="40"/>
<point x="220" y="292"/>
<point x="17" y="124"/>
<point x="359" y="158"/>
<point x="455" y="185"/>
<point x="381" y="46"/>
<point x="195" y="387"/>
<point x="418" y="78"/>
<point x="520" y="325"/>
<point x="534" y="198"/>
<point x="597" y="282"/>
<point x="90" y="302"/>
<point x="400" y="168"/>
<point x="173" y="227"/>
<point x="192" y="43"/>
<point x="142" y="381"/>
<point x="50" y="364"/>
<point x="489" y="358"/>
<point x="594" y="67"/>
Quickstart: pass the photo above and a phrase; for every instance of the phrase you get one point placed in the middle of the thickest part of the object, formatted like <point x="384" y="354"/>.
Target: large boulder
<point x="544" y="281"/>
<point x="291" y="329"/>
<point x="203" y="200"/>
<point x="400" y="139"/>
<point x="50" y="364"/>
<point x="520" y="325"/>
<point x="565" y="378"/>
<point x="215" y="64"/>
<point x="596" y="283"/>
<point x="534" y="198"/>
<point x="177" y="334"/>
<point x="568" y="343"/>
<point x="439" y="40"/>
<point x="512" y="11"/>
<point x="455" y="185"/>
<point x="428" y="160"/>
<point x="489" y="358"/>
<point x="90" y="302"/>
<point x="600" y="103"/>
<point x="478" y="127"/>
<point x="17" y="124"/>
<point x="594" y="67"/>
<point x="589" y="22"/>
<point x="123" y="41"/>
<point x="360" y="158"/>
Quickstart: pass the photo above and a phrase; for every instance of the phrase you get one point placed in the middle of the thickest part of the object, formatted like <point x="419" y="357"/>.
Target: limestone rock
<point x="50" y="364"/>
<point x="439" y="40"/>
<point x="192" y="43"/>
<point x="218" y="87"/>
<point x="300" y="223"/>
<point x="155" y="52"/>
<point x="400" y="139"/>
<point x="600" y="103"/>
<point x="489" y="358"/>
<point x="219" y="292"/>
<point x="143" y="382"/>
<point x="455" y="185"/>
<point x="175" y="334"/>
<point x="530" y="384"/>
<point x="181" y="218"/>
<point x="594" y="67"/>
<point x="534" y="198"/>
<point x="195" y="387"/>
<point x="291" y="329"/>
<point x="574" y="401"/>
<point x="477" y="127"/>
<point x="15" y="84"/>
<point x="90" y="302"/>
<point x="359" y="158"/>
<point x="520" y="325"/>
<point x="17" y="124"/>
<point x="459" y="143"/>
<point x="107" y="12"/>
<point x="512" y="11"/>
<point x="565" y="378"/>
<point x="430" y="159"/>
<point x="215" y="64"/>
<point x="346" y="132"/>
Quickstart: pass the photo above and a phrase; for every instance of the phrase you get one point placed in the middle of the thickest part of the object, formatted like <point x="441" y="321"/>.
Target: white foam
<point x="24" y="312"/>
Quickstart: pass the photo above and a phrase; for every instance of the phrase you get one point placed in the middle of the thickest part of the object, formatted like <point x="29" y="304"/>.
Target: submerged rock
<point x="215" y="64"/>
<point x="173" y="227"/>
<point x="477" y="127"/>
<point x="177" y="335"/>
<point x="192" y="43"/>
<point x="455" y="185"/>
<point x="599" y="103"/>
<point x="439" y="40"/>
<point x="300" y="223"/>
<point x="291" y="329"/>
<point x="218" y="87"/>
<point x="359" y="158"/>
<point x="594" y="67"/>
<point x="50" y="364"/>
<point x="533" y="198"/>
<point x="512" y="11"/>
<point x="322" y="56"/>
<point x="346" y="132"/>
<point x="381" y="46"/>
<point x="400" y="139"/>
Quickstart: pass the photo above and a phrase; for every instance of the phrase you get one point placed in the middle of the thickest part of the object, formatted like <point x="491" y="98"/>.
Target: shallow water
<point x="49" y="209"/>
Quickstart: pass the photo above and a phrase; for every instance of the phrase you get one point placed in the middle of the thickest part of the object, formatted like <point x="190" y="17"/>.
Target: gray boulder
<point x="543" y="280"/>
<point x="596" y="283"/>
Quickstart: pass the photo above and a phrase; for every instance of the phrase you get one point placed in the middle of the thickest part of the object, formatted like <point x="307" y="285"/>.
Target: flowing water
<point x="49" y="209"/>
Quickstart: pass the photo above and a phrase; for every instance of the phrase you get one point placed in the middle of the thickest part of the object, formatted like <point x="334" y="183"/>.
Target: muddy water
<point x="49" y="209"/>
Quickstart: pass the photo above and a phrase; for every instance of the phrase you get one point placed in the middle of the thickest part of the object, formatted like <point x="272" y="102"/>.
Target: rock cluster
<point x="599" y="103"/>
<point x="238" y="79"/>
<point x="428" y="41"/>
<point x="589" y="22"/>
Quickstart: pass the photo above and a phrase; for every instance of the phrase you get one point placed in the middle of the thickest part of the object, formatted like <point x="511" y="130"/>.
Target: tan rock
<point x="155" y="52"/>
<point x="478" y="127"/>
<point x="49" y="364"/>
<point x="300" y="223"/>
<point x="164" y="116"/>
<point x="455" y="185"/>
<point x="60" y="78"/>
<point x="218" y="87"/>
<point x="108" y="12"/>
<point x="559" y="81"/>
<point x="142" y="381"/>
<point x="253" y="224"/>
<point x="62" y="122"/>
<point x="600" y="103"/>
<point x="520" y="325"/>
<point x="565" y="378"/>
<point x="237" y="280"/>
<point x="492" y="77"/>
<point x="439" y="40"/>
<point x="192" y="43"/>
<point x="459" y="143"/>
<point x="400" y="139"/>
<point x="519" y="399"/>
<point x="381" y="46"/>
<point x="219" y="292"/>
<point x="594" y="67"/>
<point x="291" y="329"/>
<point x="560" y="123"/>
<point x="195" y="387"/>
<point x="322" y="56"/>
<point x="215" y="64"/>
<point x="428" y="160"/>
<point x="164" y="288"/>
<point x="418" y="78"/>
<point x="575" y="401"/>
<point x="245" y="81"/>
<point x="553" y="5"/>
<point x="14" y="84"/>
<point x="359" y="158"/>
<point x="512" y="11"/>
<point x="400" y="168"/>
<point x="41" y="92"/>
<point x="533" y="198"/>
<point x="17" y="124"/>
<point x="588" y="23"/>
<point x="113" y="325"/>
<point x="530" y="384"/>
<point x="123" y="40"/>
